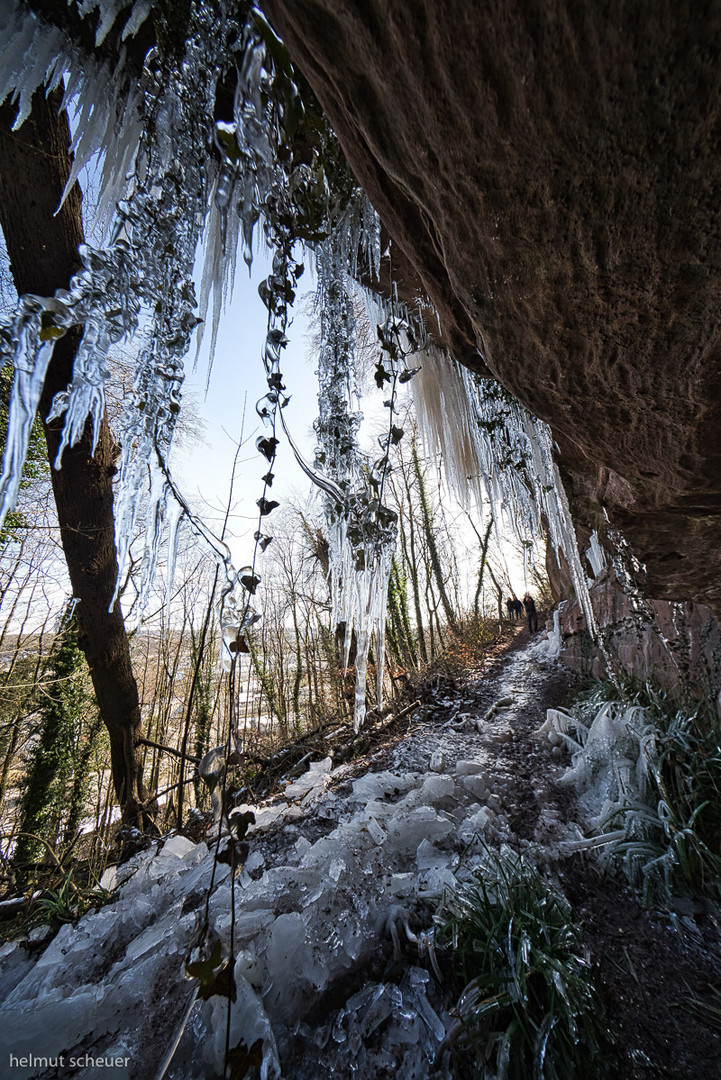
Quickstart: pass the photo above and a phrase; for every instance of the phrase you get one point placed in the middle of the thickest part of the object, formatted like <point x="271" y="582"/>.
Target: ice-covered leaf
<point x="267" y="447"/>
<point x="238" y="645"/>
<point x="263" y="541"/>
<point x="266" y="506"/>
<point x="382" y="376"/>
<point x="214" y="977"/>
<point x="242" y="1059"/>
<point x="250" y="582"/>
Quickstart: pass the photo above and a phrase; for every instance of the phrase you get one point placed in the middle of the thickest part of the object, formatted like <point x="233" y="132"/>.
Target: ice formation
<point x="141" y="284"/>
<point x="361" y="529"/>
<point x="493" y="447"/>
<point x="612" y="757"/>
<point x="175" y="192"/>
<point x="307" y="916"/>
<point x="340" y="874"/>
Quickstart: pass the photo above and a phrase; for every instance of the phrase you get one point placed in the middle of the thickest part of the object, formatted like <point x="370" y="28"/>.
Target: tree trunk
<point x="43" y="251"/>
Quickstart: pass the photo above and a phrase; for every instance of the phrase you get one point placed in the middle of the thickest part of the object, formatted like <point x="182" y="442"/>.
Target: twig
<point x="166" y="749"/>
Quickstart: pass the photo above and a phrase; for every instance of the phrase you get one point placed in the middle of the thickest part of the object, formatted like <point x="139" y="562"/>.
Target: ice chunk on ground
<point x="15" y="963"/>
<point x="179" y="846"/>
<point x="437" y="762"/>
<point x="292" y="970"/>
<point x="469" y="768"/>
<point x="475" y="825"/>
<point x="407" y="828"/>
<point x="433" y="790"/>
<point x="373" y="785"/>
<point x="429" y="857"/>
<point x="375" y="830"/>
<point x="314" y="778"/>
<point x="248" y="1023"/>
<point x="477" y="785"/>
<point x="255" y="861"/>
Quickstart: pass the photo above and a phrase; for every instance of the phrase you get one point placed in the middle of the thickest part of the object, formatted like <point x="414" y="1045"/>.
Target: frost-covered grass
<point x="673" y="844"/>
<point x="670" y="811"/>
<point x="529" y="1008"/>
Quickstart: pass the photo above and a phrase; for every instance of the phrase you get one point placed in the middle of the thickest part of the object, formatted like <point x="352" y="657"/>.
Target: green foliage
<point x="529" y="1008"/>
<point x="54" y="795"/>
<point x="707" y="1010"/>
<point x="399" y="633"/>
<point x="69" y="901"/>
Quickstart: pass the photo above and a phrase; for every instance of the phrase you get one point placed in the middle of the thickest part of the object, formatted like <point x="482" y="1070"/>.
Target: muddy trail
<point x="327" y="922"/>
<point x="652" y="974"/>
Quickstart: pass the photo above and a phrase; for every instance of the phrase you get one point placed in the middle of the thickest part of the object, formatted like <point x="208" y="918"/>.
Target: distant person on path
<point x="531" y="613"/>
<point x="511" y="609"/>
<point x="518" y="608"/>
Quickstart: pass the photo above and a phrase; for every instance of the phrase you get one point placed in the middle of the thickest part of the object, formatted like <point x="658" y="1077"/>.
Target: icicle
<point x="31" y="359"/>
<point x="176" y="517"/>
<point x="596" y="555"/>
<point x="489" y="441"/>
<point x="447" y="422"/>
<point x="85" y="396"/>
<point x="552" y="497"/>
<point x="361" y="531"/>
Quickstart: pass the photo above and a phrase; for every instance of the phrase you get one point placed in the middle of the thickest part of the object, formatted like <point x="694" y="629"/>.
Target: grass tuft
<point x="529" y="1009"/>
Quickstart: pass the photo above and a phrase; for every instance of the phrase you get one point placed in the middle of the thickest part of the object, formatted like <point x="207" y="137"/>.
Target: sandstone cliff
<point x="551" y="172"/>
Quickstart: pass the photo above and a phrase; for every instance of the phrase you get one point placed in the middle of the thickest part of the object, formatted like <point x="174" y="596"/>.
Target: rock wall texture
<point x="674" y="646"/>
<point x="550" y="170"/>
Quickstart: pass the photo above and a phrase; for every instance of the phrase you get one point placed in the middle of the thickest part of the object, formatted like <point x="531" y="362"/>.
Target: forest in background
<point x="446" y="609"/>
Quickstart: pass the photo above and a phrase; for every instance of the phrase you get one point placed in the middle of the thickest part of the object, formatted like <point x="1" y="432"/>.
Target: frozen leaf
<point x="238" y="645"/>
<point x="213" y="976"/>
<point x="381" y="375"/>
<point x="240" y="821"/>
<point x="266" y="506"/>
<point x="241" y="1060"/>
<point x="267" y="447"/>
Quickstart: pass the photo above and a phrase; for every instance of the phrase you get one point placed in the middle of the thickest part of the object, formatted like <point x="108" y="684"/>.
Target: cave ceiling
<point x="551" y="174"/>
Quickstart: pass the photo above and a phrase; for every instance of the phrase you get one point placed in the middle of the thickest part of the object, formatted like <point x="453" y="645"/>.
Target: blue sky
<point x="237" y="381"/>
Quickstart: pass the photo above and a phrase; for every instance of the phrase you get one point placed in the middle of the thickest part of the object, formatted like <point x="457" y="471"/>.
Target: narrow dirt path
<point x="650" y="974"/>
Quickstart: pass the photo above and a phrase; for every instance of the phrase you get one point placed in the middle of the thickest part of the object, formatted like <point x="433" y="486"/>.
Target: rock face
<point x="675" y="646"/>
<point x="551" y="172"/>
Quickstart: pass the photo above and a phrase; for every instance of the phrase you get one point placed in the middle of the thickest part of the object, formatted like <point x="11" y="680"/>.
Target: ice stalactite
<point x="186" y="176"/>
<point x="241" y="184"/>
<point x="105" y="94"/>
<point x="552" y="499"/>
<point x="448" y="424"/>
<point x="488" y="438"/>
<point x="361" y="530"/>
<point x="141" y="283"/>
<point x="595" y="555"/>
<point x="163" y="219"/>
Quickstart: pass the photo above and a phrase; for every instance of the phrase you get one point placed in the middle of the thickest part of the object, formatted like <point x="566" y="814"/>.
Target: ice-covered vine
<point x="185" y="177"/>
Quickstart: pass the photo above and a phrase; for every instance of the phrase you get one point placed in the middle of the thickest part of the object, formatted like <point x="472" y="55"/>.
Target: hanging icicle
<point x="361" y="530"/>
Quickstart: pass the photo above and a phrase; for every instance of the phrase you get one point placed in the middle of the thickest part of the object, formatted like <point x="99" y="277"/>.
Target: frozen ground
<point x="333" y="972"/>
